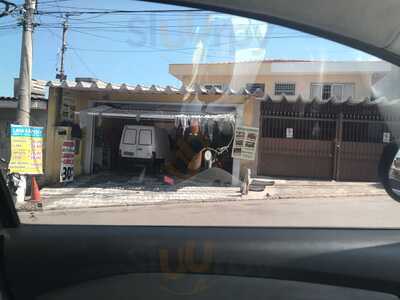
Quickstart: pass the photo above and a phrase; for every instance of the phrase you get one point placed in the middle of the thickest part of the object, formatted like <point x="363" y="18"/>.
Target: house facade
<point x="307" y="79"/>
<point x="299" y="107"/>
<point x="98" y="111"/>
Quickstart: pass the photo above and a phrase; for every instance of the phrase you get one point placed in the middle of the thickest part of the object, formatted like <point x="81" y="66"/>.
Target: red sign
<point x="67" y="161"/>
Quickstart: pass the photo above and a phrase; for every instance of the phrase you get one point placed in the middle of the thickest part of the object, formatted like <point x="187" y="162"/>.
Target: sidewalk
<point x="106" y="190"/>
<point x="290" y="189"/>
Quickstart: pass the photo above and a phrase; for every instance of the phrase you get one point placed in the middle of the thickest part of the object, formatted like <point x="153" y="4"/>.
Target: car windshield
<point x="141" y="113"/>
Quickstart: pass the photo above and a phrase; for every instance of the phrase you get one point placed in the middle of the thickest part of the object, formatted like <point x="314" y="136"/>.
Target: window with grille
<point x="253" y="87"/>
<point x="285" y="88"/>
<point x="324" y="91"/>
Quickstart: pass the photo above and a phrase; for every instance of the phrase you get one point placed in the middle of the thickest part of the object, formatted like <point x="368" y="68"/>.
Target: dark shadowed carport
<point x="110" y="119"/>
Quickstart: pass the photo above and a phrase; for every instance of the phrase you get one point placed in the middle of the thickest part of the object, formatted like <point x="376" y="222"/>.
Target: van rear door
<point x="145" y="146"/>
<point x="129" y="142"/>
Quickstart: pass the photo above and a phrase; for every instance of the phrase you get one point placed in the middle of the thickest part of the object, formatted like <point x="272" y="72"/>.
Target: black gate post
<point x="337" y="145"/>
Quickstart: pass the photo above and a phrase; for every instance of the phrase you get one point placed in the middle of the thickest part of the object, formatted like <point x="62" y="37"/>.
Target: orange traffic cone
<point x="35" y="194"/>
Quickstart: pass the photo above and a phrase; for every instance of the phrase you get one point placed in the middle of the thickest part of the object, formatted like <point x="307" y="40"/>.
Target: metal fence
<point x="324" y="140"/>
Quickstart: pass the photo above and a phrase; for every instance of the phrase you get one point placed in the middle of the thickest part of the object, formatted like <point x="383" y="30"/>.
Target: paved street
<point x="208" y="199"/>
<point x="362" y="211"/>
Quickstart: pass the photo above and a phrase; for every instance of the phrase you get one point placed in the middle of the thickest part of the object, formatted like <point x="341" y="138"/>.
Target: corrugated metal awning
<point x="109" y="111"/>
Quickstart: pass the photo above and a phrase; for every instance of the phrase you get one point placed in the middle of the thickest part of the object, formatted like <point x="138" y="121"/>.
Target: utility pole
<point x="61" y="75"/>
<point x="25" y="80"/>
<point x="25" y="73"/>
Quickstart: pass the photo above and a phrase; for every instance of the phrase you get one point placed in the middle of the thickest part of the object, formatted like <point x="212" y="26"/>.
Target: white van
<point x="144" y="143"/>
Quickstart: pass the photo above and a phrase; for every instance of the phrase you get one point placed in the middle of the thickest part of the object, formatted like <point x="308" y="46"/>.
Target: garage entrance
<point x="324" y="140"/>
<point x="190" y="130"/>
<point x="108" y="133"/>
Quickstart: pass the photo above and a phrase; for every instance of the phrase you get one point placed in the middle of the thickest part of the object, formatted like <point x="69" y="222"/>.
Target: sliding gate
<point x="321" y="140"/>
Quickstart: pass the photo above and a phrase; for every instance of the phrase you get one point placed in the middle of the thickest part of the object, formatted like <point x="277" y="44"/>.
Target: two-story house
<point x="310" y="79"/>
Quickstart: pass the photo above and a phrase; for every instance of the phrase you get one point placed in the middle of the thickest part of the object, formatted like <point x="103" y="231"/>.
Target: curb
<point x="161" y="203"/>
<point x="33" y="208"/>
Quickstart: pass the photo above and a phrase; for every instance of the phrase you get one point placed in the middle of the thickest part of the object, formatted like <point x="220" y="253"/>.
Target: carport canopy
<point x="154" y="111"/>
<point x="173" y="112"/>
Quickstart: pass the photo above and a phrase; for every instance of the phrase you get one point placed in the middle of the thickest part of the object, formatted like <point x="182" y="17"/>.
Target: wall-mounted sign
<point x="289" y="133"/>
<point x="67" y="161"/>
<point x="26" y="150"/>
<point x="68" y="107"/>
<point x="245" y="144"/>
<point x="386" y="137"/>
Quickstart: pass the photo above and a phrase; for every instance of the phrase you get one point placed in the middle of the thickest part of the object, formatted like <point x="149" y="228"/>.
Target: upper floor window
<point x="285" y="88"/>
<point x="253" y="87"/>
<point x="325" y="91"/>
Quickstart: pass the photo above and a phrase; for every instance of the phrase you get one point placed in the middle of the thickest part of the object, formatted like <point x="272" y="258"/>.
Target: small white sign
<point x="386" y="137"/>
<point x="289" y="133"/>
<point x="245" y="143"/>
<point x="67" y="161"/>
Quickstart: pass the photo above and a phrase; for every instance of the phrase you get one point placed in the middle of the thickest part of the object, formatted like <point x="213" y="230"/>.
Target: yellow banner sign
<point x="26" y="150"/>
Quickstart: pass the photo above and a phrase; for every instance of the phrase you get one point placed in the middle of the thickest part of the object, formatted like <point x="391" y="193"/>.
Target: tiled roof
<point x="199" y="89"/>
<point x="124" y="87"/>
<point x="332" y="101"/>
<point x="14" y="99"/>
<point x="12" y="102"/>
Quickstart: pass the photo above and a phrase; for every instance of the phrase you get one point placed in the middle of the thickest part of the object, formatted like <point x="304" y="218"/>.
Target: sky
<point x="137" y="48"/>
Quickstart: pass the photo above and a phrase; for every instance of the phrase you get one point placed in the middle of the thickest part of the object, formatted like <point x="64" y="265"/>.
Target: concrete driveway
<point x="116" y="189"/>
<point x="111" y="190"/>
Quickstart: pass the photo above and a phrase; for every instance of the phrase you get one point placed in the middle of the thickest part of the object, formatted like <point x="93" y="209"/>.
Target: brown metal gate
<point x="329" y="141"/>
